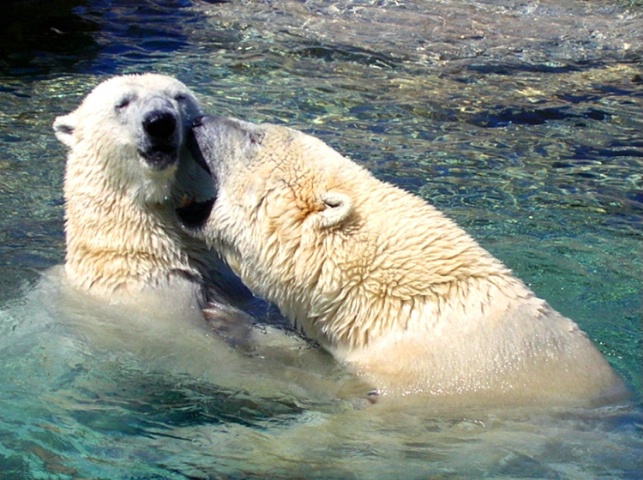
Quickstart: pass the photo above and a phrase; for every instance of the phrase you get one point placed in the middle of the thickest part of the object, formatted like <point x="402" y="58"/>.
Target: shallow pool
<point x="521" y="120"/>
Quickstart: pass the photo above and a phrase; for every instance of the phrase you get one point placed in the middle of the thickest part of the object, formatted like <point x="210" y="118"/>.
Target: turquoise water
<point x="522" y="121"/>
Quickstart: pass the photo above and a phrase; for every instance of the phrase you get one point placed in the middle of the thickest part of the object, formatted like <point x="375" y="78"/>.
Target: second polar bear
<point x="383" y="280"/>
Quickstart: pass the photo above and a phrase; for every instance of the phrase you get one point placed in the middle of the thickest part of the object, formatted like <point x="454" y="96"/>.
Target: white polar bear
<point x="126" y="164"/>
<point x="383" y="280"/>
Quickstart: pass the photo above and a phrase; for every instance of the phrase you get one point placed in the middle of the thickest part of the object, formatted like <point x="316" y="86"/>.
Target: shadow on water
<point x="44" y="37"/>
<point x="40" y="37"/>
<point x="520" y="120"/>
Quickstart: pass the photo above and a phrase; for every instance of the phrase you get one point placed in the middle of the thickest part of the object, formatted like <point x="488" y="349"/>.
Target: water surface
<point x="521" y="120"/>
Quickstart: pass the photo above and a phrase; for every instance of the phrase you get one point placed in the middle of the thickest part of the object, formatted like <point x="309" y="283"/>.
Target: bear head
<point x="284" y="200"/>
<point x="132" y="129"/>
<point x="128" y="169"/>
<point x="269" y="180"/>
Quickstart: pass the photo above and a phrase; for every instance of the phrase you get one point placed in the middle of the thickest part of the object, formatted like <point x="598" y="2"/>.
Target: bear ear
<point x="337" y="208"/>
<point x="64" y="128"/>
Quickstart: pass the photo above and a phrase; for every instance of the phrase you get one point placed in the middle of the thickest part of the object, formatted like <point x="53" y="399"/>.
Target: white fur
<point x="388" y="285"/>
<point x="122" y="237"/>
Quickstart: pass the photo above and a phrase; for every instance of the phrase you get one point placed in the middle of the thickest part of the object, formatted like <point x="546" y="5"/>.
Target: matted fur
<point x="385" y="281"/>
<point x="121" y="232"/>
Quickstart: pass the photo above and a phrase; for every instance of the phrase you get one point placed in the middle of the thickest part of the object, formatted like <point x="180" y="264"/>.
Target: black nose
<point x="159" y="124"/>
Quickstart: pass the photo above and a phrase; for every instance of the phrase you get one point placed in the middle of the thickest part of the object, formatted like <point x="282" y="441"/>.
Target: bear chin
<point x="160" y="157"/>
<point x="194" y="214"/>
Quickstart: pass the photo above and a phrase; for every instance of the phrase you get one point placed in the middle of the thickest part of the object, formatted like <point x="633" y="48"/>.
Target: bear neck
<point x="417" y="277"/>
<point x="364" y="312"/>
<point x="117" y="243"/>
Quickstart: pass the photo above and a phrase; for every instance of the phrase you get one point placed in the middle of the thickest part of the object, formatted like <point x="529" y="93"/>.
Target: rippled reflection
<point x="520" y="120"/>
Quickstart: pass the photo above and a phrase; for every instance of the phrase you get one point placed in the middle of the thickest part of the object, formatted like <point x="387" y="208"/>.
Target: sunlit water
<point x="523" y="121"/>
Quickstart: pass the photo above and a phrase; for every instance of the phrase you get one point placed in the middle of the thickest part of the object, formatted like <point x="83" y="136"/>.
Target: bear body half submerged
<point x="383" y="280"/>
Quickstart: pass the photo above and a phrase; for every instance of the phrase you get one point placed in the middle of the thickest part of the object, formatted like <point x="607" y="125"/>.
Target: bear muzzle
<point x="194" y="214"/>
<point x="207" y="132"/>
<point x="162" y="139"/>
<point x="194" y="147"/>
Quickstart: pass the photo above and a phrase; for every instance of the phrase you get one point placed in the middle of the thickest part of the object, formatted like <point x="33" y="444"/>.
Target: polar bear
<point x="126" y="163"/>
<point x="383" y="280"/>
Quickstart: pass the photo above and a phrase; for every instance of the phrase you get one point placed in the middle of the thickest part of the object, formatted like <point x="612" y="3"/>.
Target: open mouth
<point x="160" y="157"/>
<point x="193" y="214"/>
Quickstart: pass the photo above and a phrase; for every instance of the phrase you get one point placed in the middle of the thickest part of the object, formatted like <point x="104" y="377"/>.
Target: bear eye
<point x="123" y="103"/>
<point x="180" y="97"/>
<point x="256" y="137"/>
